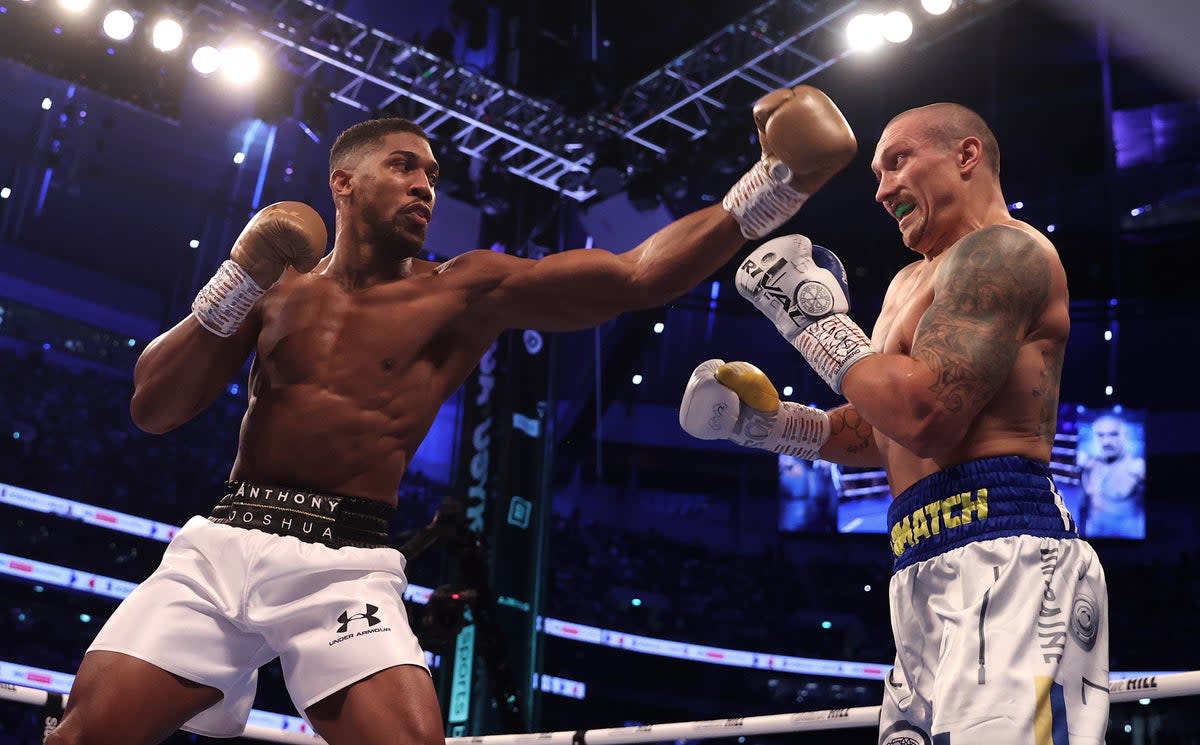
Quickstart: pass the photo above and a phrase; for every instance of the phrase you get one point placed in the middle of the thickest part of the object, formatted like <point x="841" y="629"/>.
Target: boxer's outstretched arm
<point x="805" y="141"/>
<point x="581" y="288"/>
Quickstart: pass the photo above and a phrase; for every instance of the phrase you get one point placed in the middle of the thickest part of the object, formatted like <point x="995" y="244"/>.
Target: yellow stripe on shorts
<point x="1050" y="716"/>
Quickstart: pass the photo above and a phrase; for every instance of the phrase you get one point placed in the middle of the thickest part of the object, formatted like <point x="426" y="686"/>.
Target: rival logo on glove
<point x="806" y="300"/>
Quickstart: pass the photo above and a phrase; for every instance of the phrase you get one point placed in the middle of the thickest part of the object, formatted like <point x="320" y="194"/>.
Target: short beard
<point x="389" y="236"/>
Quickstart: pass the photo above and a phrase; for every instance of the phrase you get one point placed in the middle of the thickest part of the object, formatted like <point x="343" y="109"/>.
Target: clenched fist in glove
<point x="736" y="401"/>
<point x="805" y="141"/>
<point x="280" y="235"/>
<point x="802" y="289"/>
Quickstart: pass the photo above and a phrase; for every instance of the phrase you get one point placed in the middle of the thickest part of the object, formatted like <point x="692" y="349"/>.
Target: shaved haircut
<point x="357" y="140"/>
<point x="950" y="123"/>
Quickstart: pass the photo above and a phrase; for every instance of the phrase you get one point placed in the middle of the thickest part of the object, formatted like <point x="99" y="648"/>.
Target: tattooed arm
<point x="987" y="293"/>
<point x="851" y="439"/>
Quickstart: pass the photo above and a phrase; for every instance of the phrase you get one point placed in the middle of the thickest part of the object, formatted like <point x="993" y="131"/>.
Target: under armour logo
<point x="369" y="617"/>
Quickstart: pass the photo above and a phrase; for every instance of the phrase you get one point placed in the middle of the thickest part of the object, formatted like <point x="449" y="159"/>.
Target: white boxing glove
<point x="736" y="401"/>
<point x="802" y="288"/>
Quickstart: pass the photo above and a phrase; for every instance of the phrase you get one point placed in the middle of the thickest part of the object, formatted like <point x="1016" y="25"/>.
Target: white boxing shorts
<point x="226" y="600"/>
<point x="999" y="613"/>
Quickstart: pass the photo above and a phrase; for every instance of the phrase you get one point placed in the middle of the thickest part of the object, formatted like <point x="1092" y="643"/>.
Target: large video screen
<point x="1099" y="466"/>
<point x="1098" y="463"/>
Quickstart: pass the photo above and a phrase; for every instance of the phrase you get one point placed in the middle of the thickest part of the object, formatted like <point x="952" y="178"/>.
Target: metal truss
<point x="780" y="44"/>
<point x="372" y="71"/>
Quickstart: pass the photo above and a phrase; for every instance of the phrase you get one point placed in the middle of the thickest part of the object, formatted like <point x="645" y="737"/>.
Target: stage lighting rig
<point x="98" y="46"/>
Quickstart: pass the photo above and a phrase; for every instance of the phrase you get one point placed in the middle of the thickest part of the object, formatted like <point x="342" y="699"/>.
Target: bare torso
<point x="1113" y="482"/>
<point x="346" y="383"/>
<point x="1020" y="418"/>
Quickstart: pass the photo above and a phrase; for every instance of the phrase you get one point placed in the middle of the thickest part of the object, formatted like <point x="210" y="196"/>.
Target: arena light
<point x="167" y="35"/>
<point x="787" y="390"/>
<point x="118" y="25"/>
<point x="240" y="65"/>
<point x="865" y="32"/>
<point x="897" y="26"/>
<point x="658" y="327"/>
<point x="206" y="60"/>
<point x="46" y="103"/>
<point x="75" y="6"/>
<point x="5" y="193"/>
<point x="936" y="7"/>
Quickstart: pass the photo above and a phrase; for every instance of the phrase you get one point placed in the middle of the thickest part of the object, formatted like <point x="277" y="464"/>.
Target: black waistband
<point x="331" y="519"/>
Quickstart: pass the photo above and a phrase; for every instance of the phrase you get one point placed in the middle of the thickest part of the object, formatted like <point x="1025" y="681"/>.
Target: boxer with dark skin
<point x="355" y="352"/>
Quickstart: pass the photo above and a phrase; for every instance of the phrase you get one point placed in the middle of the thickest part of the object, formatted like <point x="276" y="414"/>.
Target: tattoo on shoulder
<point x="991" y="287"/>
<point x="861" y="434"/>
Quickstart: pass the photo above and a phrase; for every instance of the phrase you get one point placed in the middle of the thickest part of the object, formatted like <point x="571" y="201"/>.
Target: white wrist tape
<point x="762" y="199"/>
<point x="223" y="303"/>
<point x="832" y="345"/>
<point x="792" y="429"/>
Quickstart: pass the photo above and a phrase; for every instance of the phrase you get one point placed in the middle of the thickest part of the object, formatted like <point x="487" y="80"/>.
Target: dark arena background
<point x="595" y="566"/>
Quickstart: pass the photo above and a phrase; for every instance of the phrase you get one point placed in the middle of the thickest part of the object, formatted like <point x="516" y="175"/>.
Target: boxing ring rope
<point x="1167" y="685"/>
<point x="271" y="727"/>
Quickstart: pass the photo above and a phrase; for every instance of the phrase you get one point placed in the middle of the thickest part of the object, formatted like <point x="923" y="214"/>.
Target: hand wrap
<point x="223" y="303"/>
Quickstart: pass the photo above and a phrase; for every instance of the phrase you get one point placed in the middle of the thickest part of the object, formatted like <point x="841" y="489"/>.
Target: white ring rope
<point x="1124" y="687"/>
<point x="1166" y="685"/>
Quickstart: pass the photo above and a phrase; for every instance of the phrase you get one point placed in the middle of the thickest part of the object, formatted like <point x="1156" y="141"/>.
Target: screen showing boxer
<point x="1099" y="467"/>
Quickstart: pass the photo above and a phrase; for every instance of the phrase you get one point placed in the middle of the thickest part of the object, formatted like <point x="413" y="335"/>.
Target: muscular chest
<point x="316" y="333"/>
<point x="902" y="310"/>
